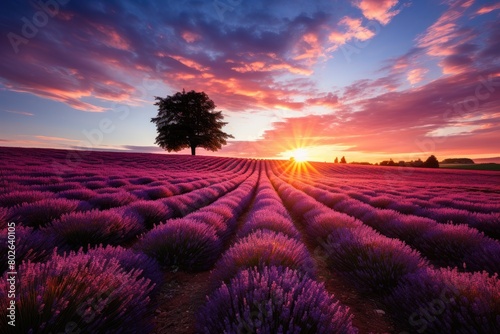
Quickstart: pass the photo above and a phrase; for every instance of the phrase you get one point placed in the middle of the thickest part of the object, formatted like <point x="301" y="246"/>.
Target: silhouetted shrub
<point x="93" y="294"/>
<point x="273" y="300"/>
<point x="183" y="243"/>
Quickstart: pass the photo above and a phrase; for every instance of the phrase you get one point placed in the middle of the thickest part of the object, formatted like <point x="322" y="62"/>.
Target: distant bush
<point x="184" y="243"/>
<point x="92" y="294"/>
<point x="462" y="161"/>
<point x="262" y="248"/>
<point x="273" y="300"/>
<point x="80" y="229"/>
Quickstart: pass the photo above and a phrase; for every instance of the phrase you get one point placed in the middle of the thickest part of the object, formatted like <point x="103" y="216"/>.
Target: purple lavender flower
<point x="90" y="293"/>
<point x="273" y="300"/>
<point x="262" y="248"/>
<point x="182" y="243"/>
<point x="80" y="229"/>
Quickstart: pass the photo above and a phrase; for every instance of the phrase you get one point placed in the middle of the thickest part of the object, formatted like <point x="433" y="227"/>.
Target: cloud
<point x="416" y="75"/>
<point x="381" y="10"/>
<point x="445" y="33"/>
<point x="89" y="55"/>
<point x="24" y="113"/>
<point x="60" y="139"/>
<point x="488" y="9"/>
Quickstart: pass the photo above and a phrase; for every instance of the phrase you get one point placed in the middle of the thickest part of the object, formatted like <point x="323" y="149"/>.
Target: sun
<point x="299" y="155"/>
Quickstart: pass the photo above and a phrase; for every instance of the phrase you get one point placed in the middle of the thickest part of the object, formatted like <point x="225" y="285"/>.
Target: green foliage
<point x="188" y="120"/>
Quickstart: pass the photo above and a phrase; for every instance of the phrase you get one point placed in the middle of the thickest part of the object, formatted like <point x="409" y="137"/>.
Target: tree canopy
<point x="431" y="162"/>
<point x="188" y="120"/>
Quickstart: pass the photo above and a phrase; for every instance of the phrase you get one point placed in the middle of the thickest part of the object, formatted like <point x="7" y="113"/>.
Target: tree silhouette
<point x="431" y="162"/>
<point x="342" y="161"/>
<point x="189" y="120"/>
<point x="336" y="160"/>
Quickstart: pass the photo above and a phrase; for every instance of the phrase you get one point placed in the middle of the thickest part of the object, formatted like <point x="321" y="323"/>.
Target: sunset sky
<point x="364" y="79"/>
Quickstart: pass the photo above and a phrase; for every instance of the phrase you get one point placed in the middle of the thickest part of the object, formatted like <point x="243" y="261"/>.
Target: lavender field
<point x="285" y="247"/>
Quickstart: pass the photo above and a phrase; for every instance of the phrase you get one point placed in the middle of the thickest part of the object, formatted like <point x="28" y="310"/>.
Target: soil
<point x="179" y="299"/>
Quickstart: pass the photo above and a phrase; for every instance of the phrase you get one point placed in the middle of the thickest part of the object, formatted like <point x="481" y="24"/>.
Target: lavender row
<point x="263" y="282"/>
<point x="399" y="276"/>
<point x="486" y="221"/>
<point x="195" y="242"/>
<point x="444" y="244"/>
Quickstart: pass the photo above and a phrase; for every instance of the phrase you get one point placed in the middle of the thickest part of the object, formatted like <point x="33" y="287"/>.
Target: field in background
<point x="283" y="246"/>
<point x="481" y="166"/>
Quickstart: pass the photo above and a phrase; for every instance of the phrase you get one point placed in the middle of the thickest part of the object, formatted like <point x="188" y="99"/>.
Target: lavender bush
<point x="31" y="245"/>
<point x="80" y="229"/>
<point x="81" y="292"/>
<point x="43" y="212"/>
<point x="373" y="262"/>
<point x="262" y="248"/>
<point x="273" y="300"/>
<point x="20" y="197"/>
<point x="448" y="301"/>
<point x="151" y="212"/>
<point x="182" y="243"/>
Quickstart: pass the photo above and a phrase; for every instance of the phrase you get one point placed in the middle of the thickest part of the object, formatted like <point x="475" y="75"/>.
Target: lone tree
<point x="342" y="161"/>
<point x="189" y="120"/>
<point x="431" y="162"/>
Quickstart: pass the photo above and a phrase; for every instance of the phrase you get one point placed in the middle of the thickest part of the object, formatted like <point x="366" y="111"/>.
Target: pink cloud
<point x="352" y="29"/>
<point x="381" y="10"/>
<point x="190" y="37"/>
<point x="59" y="139"/>
<point x="445" y="33"/>
<point x="416" y="75"/>
<point x="488" y="8"/>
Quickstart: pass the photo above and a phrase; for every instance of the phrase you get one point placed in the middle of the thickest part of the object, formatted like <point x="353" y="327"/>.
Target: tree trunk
<point x="193" y="149"/>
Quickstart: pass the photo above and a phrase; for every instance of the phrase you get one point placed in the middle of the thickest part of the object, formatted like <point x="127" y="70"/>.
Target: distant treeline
<point x="431" y="162"/>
